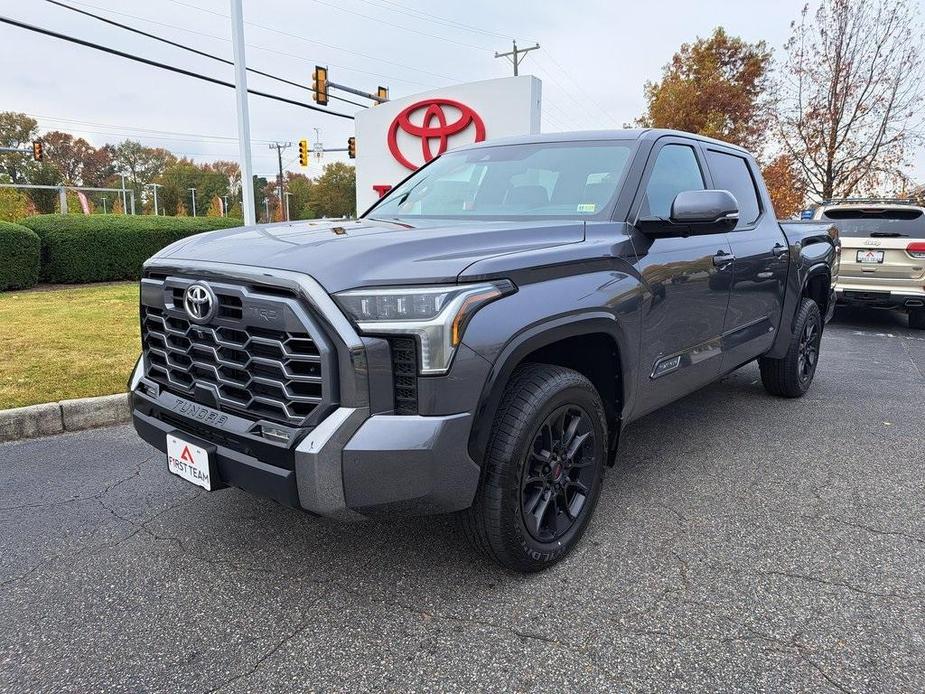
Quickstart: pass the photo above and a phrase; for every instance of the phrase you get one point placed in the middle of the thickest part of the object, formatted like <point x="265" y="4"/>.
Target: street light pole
<point x="104" y="204"/>
<point x="193" y="191"/>
<point x="225" y="207"/>
<point x="244" y="126"/>
<point x="124" y="199"/>
<point x="266" y="204"/>
<point x="155" y="186"/>
<point x="288" y="217"/>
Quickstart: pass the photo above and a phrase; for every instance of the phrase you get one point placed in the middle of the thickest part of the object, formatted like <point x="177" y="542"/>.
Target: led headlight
<point x="436" y="316"/>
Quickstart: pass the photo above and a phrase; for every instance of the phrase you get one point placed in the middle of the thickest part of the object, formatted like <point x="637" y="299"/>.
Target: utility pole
<point x="517" y="55"/>
<point x="155" y="186"/>
<point x="104" y="204"/>
<point x="266" y="204"/>
<point x="244" y="124"/>
<point x="193" y="191"/>
<point x="280" y="146"/>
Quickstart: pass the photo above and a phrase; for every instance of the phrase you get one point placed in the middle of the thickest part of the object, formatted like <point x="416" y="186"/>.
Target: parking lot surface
<point x="742" y="542"/>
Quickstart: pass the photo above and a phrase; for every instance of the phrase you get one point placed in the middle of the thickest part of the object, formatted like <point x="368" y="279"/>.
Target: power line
<point x="163" y="66"/>
<point x="326" y="45"/>
<point x="418" y="14"/>
<point x="134" y="30"/>
<point x="399" y="26"/>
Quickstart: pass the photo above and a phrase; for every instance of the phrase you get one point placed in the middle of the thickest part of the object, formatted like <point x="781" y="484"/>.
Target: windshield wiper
<point x="886" y="234"/>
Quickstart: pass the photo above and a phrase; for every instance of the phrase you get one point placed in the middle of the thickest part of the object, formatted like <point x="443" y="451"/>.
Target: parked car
<point x="883" y="264"/>
<point x="479" y="339"/>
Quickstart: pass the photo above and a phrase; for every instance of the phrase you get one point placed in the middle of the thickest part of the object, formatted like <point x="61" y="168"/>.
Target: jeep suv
<point x="883" y="258"/>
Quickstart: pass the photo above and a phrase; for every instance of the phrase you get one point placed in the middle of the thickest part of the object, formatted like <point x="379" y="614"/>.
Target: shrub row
<point x="20" y="251"/>
<point x="104" y="248"/>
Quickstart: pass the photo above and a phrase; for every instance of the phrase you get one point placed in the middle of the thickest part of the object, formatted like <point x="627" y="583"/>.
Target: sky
<point x="594" y="59"/>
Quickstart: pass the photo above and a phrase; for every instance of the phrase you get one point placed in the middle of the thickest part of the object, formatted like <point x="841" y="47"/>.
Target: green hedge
<point x="104" y="248"/>
<point x="20" y="254"/>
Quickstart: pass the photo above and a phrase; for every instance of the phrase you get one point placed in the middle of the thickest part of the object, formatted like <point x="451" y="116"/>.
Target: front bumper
<point x="349" y="466"/>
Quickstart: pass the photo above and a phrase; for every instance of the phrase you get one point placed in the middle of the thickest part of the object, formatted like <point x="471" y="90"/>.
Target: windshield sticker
<point x="586" y="207"/>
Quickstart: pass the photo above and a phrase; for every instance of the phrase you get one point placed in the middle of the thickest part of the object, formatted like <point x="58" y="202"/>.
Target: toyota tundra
<point x="477" y="341"/>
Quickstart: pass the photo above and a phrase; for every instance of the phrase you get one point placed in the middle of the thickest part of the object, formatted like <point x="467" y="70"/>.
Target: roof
<point x="596" y="135"/>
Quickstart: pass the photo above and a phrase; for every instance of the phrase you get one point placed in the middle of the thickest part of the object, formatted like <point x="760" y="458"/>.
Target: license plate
<point x="870" y="256"/>
<point x="189" y="461"/>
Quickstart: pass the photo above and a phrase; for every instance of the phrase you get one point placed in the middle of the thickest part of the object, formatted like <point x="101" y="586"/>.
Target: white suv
<point x="883" y="254"/>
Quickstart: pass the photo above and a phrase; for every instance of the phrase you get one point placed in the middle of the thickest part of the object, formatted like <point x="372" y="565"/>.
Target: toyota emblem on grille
<point x="199" y="302"/>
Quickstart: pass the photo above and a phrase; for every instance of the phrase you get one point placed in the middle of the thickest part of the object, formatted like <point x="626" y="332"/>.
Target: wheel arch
<point x="555" y="342"/>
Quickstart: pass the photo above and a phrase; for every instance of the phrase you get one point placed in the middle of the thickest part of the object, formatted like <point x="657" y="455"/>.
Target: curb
<point x="68" y="415"/>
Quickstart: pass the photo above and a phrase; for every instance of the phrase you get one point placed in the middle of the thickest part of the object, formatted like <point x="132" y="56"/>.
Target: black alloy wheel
<point x="558" y="473"/>
<point x="809" y="350"/>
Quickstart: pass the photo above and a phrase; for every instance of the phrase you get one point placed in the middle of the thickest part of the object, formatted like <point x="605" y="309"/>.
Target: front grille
<point x="405" y="374"/>
<point x="231" y="364"/>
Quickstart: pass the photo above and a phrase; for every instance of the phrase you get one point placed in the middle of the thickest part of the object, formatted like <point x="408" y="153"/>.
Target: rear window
<point x="877" y="222"/>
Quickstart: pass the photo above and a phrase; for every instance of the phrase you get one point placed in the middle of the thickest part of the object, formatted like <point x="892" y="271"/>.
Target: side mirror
<point x="697" y="212"/>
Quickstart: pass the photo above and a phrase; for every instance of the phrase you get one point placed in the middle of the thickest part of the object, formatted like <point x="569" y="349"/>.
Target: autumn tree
<point x="715" y="87"/>
<point x="17" y="130"/>
<point x="785" y="185"/>
<point x="333" y="193"/>
<point x="851" y="93"/>
<point x="140" y="164"/>
<point x="79" y="162"/>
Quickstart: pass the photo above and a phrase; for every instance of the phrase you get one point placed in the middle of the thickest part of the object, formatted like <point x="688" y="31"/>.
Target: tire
<point x="917" y="319"/>
<point x="791" y="376"/>
<point x="534" y="500"/>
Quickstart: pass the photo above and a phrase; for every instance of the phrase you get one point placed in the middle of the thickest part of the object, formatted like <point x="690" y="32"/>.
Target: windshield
<point x="556" y="179"/>
<point x="885" y="222"/>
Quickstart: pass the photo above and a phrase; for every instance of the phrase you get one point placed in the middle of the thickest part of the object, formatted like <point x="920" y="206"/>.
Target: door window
<point x="676" y="170"/>
<point x="731" y="173"/>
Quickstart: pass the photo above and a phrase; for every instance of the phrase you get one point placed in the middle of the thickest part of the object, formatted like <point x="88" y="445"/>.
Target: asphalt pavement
<point x="742" y="542"/>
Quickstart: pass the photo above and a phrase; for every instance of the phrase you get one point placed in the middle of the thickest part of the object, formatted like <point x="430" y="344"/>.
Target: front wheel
<point x="791" y="376"/>
<point x="543" y="469"/>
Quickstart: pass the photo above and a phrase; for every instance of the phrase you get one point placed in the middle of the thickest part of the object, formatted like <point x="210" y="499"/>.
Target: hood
<point x="355" y="253"/>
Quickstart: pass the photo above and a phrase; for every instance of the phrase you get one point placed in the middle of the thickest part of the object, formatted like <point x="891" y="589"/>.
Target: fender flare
<point x="529" y="340"/>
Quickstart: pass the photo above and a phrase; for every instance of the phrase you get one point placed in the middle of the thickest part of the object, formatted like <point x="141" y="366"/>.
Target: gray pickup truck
<point x="477" y="341"/>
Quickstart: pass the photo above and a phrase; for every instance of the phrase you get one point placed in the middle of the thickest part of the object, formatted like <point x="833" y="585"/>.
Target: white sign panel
<point x="395" y="138"/>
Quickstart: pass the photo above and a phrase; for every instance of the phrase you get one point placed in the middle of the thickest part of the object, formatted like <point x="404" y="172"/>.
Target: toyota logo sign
<point x="433" y="126"/>
<point x="199" y="302"/>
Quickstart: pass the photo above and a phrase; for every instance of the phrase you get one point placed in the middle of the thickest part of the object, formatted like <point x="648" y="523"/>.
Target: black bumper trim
<point x="234" y="469"/>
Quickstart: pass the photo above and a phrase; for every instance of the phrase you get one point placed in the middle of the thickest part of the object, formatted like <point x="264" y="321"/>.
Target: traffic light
<point x="382" y="93"/>
<point x="352" y="147"/>
<point x="37" y="153"/>
<point x="320" y="85"/>
<point x="303" y="152"/>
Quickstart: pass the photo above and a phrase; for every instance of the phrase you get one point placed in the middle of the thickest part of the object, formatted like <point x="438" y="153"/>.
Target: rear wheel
<point x="543" y="469"/>
<point x="917" y="319"/>
<point x="791" y="376"/>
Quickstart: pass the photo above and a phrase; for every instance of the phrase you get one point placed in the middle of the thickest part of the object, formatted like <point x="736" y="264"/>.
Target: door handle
<point x="723" y="258"/>
<point x="779" y="250"/>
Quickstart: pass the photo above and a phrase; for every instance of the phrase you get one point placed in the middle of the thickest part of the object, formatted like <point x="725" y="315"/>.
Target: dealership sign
<point x="398" y="137"/>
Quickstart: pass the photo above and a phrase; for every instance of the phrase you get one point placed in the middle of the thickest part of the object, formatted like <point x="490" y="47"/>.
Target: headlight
<point x="436" y="316"/>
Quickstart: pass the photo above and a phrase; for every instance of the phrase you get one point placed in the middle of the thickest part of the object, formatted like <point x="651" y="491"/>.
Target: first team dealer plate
<point x="191" y="462"/>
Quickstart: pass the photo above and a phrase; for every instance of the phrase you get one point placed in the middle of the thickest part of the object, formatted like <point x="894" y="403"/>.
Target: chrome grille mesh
<point x="261" y="372"/>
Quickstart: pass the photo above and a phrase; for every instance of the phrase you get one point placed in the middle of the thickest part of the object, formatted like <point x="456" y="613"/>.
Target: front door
<point x="688" y="282"/>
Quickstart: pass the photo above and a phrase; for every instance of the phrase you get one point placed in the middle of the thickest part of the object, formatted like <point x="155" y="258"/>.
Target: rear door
<point x="759" y="274"/>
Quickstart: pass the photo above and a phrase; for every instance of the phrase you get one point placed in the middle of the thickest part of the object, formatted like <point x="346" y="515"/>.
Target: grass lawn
<point x="60" y="342"/>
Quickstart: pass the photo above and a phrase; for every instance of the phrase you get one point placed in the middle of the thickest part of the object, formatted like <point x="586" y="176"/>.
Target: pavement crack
<point x="842" y="584"/>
